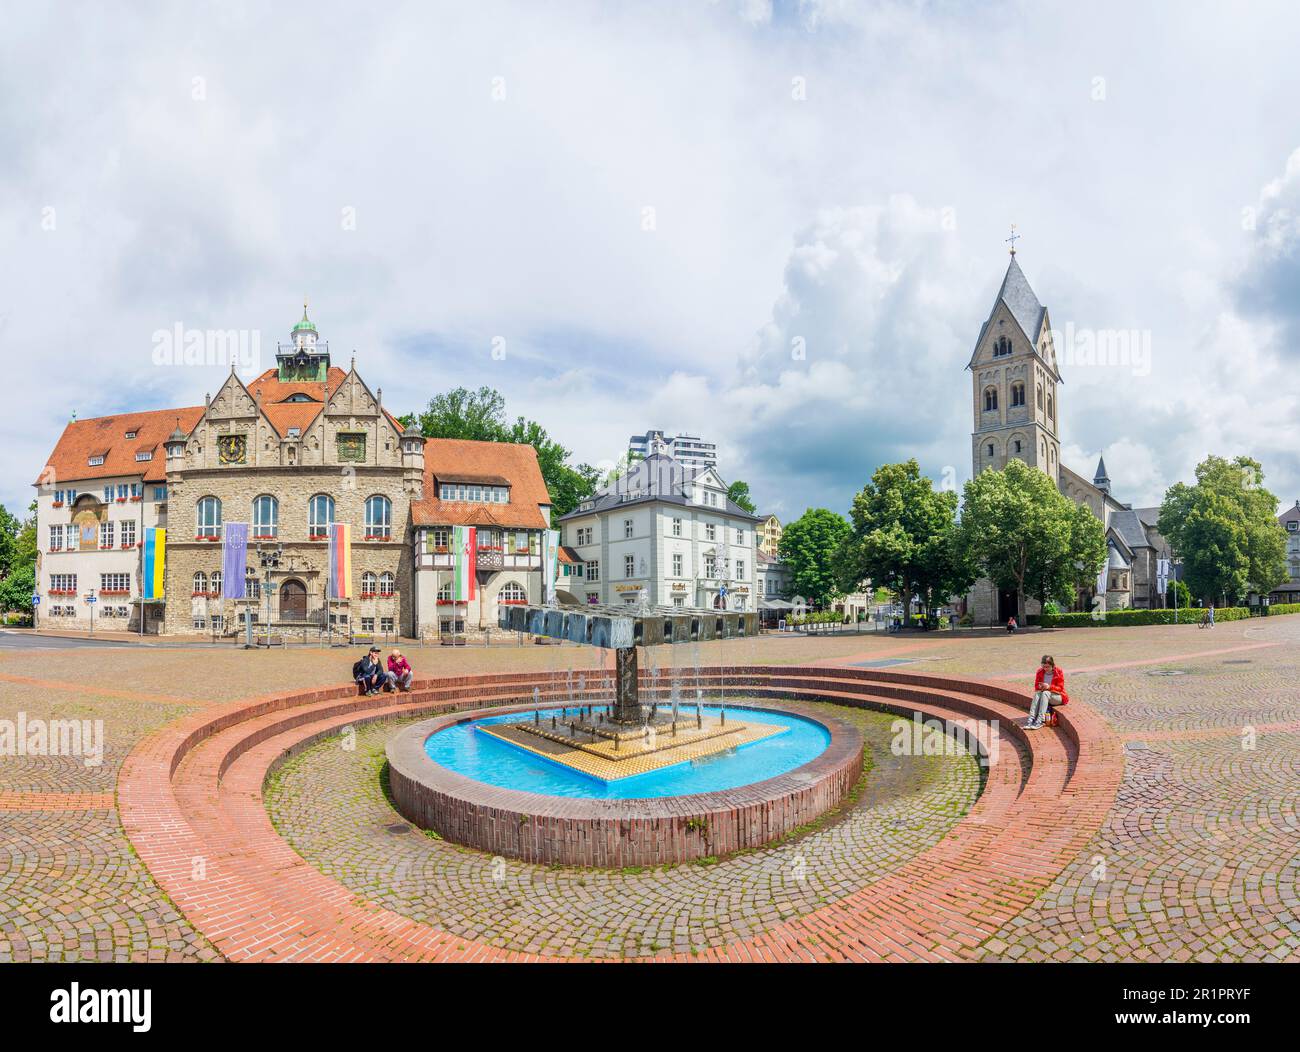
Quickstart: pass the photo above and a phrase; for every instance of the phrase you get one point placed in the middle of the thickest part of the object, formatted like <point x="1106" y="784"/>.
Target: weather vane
<point x="1013" y="239"/>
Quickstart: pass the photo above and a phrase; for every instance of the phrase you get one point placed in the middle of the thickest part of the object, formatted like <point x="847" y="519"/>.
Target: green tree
<point x="1058" y="573"/>
<point x="810" y="545"/>
<point x="1224" y="528"/>
<point x="903" y="537"/>
<point x="461" y="413"/>
<point x="1021" y="532"/>
<point x="738" y="494"/>
<point x="11" y="529"/>
<point x="481" y="415"/>
<point x="17" y="588"/>
<point x="17" y="559"/>
<point x="1178" y="596"/>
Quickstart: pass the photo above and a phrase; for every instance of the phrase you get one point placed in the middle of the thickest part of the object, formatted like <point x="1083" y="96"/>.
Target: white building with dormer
<point x="666" y="532"/>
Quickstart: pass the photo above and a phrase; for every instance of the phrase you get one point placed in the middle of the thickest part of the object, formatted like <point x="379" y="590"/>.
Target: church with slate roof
<point x="1016" y="388"/>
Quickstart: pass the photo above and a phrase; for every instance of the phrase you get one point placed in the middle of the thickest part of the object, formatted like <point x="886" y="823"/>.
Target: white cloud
<point x="865" y="216"/>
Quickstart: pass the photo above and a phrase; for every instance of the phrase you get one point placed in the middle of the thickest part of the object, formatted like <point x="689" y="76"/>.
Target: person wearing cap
<point x="371" y="676"/>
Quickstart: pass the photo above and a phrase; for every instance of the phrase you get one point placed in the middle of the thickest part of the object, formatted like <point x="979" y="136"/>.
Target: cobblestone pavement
<point x="1197" y="860"/>
<point x="328" y="804"/>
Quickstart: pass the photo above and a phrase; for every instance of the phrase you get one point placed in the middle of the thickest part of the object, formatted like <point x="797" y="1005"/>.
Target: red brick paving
<point x="191" y="802"/>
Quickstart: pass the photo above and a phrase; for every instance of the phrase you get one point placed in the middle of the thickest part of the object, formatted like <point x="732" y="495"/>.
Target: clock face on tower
<point x="232" y="449"/>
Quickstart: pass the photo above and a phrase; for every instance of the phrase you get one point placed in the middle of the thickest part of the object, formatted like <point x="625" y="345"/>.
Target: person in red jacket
<point x="1049" y="694"/>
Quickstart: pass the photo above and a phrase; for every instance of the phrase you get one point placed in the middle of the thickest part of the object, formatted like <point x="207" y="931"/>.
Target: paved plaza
<point x="1192" y="854"/>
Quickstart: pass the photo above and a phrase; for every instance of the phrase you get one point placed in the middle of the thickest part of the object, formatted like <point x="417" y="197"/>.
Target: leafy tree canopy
<point x="481" y="415"/>
<point x="809" y="545"/>
<point x="1224" y="528"/>
<point x="738" y="494"/>
<point x="1021" y="532"/>
<point x="903" y="537"/>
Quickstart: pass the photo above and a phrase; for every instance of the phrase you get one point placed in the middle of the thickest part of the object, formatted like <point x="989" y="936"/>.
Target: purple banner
<point x="234" y="559"/>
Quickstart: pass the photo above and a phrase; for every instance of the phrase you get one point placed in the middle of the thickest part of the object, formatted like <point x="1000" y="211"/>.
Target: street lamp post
<point x="268" y="558"/>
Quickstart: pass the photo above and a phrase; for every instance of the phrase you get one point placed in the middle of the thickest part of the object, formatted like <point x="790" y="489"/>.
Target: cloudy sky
<point x="777" y="225"/>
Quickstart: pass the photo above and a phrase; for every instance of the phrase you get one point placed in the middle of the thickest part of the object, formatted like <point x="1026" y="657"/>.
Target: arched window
<point x="379" y="518"/>
<point x="512" y="592"/>
<point x="320" y="515"/>
<point x="1002" y="347"/>
<point x="209" y="518"/>
<point x="1017" y="395"/>
<point x="1050" y="415"/>
<point x="386" y="583"/>
<point x="990" y="399"/>
<point x="1039" y="396"/>
<point x="266" y="516"/>
<point x="368" y="583"/>
<point x="215" y="588"/>
<point x="990" y="449"/>
<point x="200" y="583"/>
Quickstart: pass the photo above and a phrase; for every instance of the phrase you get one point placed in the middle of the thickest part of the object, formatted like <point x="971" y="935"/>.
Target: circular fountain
<point x="624" y="771"/>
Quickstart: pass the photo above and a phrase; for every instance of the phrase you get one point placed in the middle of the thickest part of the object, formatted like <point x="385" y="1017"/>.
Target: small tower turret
<point x="413" y="461"/>
<point x="1101" y="480"/>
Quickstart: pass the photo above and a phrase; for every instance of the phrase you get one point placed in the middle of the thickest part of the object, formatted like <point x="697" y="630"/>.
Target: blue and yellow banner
<point x="155" y="559"/>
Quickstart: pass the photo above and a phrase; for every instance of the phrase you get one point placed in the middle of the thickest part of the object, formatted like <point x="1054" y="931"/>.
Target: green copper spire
<point x="306" y="325"/>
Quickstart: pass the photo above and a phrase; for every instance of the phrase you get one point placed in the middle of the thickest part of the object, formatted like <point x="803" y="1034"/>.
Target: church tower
<point x="1015" y="384"/>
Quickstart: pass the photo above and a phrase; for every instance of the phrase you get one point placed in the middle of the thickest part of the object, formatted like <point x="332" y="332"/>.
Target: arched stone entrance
<point x="293" y="600"/>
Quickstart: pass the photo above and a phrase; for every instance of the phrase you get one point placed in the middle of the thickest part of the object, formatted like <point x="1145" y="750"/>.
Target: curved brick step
<point x="194" y="789"/>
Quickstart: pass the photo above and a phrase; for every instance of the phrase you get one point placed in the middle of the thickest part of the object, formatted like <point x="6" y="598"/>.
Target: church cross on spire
<point x="1013" y="239"/>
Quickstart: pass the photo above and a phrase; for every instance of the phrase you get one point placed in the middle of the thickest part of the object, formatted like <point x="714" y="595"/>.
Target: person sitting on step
<point x="401" y="670"/>
<point x="1049" y="694"/>
<point x="370" y="674"/>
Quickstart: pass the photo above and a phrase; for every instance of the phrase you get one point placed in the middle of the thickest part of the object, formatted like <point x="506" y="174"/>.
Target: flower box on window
<point x="115" y="591"/>
<point x="489" y="547"/>
<point x="136" y="500"/>
<point x="263" y="536"/>
<point x="206" y="537"/>
<point x="105" y="547"/>
<point x="367" y="595"/>
<point x="386" y="595"/>
<point x="378" y="537"/>
<point x="57" y="504"/>
<point x="318" y="536"/>
<point x="452" y="602"/>
<point x="127" y="544"/>
<point x="121" y="500"/>
<point x="513" y="602"/>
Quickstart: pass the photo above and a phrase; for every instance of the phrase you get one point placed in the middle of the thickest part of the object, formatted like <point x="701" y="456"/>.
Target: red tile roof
<point x="456" y="457"/>
<point x="283" y="414"/>
<point x="106" y="436"/>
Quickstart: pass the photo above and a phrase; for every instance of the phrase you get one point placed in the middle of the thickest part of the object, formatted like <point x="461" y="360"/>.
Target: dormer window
<point x="96" y="461"/>
<point x="144" y="455"/>
<point x="299" y="397"/>
<point x="295" y="432"/>
<point x="130" y="434"/>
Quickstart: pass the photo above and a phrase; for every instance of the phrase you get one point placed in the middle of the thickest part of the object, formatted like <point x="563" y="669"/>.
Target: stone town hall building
<point x="1016" y="403"/>
<point x="302" y="446"/>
